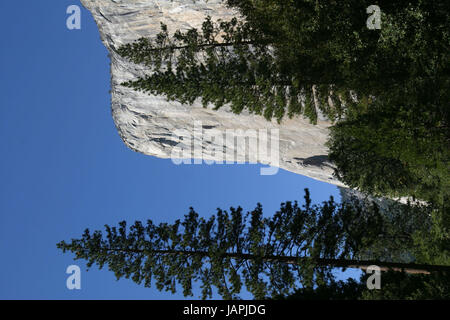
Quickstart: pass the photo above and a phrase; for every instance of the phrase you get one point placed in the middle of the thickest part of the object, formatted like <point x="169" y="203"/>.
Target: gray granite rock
<point x="147" y="123"/>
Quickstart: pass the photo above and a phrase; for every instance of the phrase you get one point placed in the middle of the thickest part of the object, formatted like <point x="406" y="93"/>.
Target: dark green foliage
<point x="399" y="147"/>
<point x="329" y="42"/>
<point x="402" y="286"/>
<point x="334" y="290"/>
<point x="298" y="246"/>
<point x="237" y="68"/>
<point x="394" y="139"/>
<point x="269" y="63"/>
<point x="394" y="286"/>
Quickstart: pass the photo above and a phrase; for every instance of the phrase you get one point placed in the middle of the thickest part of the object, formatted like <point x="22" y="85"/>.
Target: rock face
<point x="147" y="123"/>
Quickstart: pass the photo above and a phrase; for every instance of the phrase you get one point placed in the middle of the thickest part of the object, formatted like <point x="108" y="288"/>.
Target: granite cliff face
<point x="147" y="123"/>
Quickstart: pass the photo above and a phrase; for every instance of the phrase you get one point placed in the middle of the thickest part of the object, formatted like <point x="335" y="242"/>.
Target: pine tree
<point x="298" y="246"/>
<point x="226" y="63"/>
<point x="270" y="63"/>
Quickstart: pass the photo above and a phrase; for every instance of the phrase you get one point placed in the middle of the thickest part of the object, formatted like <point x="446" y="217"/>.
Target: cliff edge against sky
<point x="146" y="123"/>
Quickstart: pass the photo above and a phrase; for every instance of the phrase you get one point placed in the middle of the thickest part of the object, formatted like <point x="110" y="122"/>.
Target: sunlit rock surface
<point x="147" y="124"/>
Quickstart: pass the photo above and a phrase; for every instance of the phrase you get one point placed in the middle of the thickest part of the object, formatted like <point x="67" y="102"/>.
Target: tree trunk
<point x="411" y="268"/>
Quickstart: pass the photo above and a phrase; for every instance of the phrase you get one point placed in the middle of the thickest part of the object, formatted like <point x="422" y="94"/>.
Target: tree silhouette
<point x="298" y="246"/>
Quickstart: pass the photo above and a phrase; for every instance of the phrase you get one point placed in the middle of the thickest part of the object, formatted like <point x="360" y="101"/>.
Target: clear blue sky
<point x="63" y="166"/>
